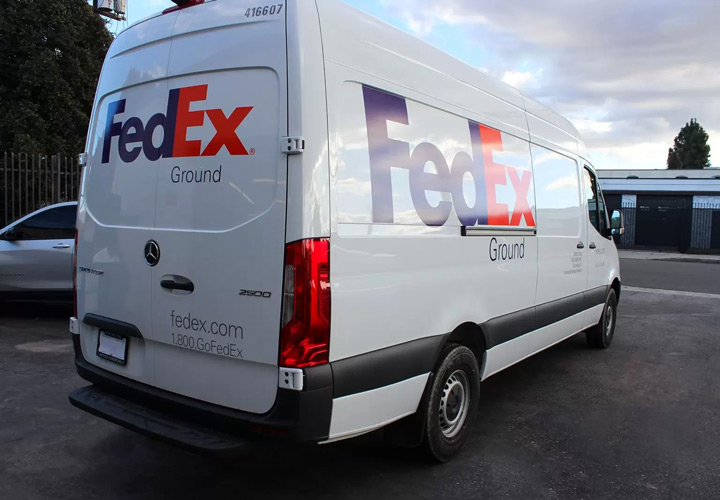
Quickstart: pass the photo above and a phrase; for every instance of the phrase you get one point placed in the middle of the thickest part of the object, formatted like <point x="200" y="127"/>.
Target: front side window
<point x="54" y="224"/>
<point x="602" y="212"/>
<point x="591" y="197"/>
<point x="596" y="204"/>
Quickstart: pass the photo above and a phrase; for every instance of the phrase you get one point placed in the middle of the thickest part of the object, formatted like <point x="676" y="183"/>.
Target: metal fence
<point x="693" y="229"/>
<point x="32" y="181"/>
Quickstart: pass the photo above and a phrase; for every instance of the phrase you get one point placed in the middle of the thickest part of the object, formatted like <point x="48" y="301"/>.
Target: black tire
<point x="452" y="404"/>
<point x="601" y="335"/>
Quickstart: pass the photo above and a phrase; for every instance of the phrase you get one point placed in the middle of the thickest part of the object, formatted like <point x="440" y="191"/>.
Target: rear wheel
<point x="601" y="335"/>
<point x="452" y="404"/>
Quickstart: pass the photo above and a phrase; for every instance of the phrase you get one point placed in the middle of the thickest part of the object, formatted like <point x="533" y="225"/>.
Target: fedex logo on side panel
<point x="489" y="176"/>
<point x="135" y="136"/>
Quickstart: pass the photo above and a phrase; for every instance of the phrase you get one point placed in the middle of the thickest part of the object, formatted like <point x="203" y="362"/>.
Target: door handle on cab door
<point x="581" y="245"/>
<point x="61" y="245"/>
<point x="593" y="246"/>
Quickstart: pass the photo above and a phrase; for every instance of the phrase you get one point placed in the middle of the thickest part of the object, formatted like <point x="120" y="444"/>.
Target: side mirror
<point x="11" y="234"/>
<point x="617" y="223"/>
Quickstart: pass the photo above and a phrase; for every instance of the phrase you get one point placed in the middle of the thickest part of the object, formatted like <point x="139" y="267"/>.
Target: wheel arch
<point x="410" y="430"/>
<point x="617" y="287"/>
<point x="470" y="335"/>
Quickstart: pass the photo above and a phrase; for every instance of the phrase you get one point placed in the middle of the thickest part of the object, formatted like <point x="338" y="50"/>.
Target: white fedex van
<point x="297" y="221"/>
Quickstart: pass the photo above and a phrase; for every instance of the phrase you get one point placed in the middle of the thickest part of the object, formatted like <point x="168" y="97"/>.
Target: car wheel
<point x="452" y="404"/>
<point x="601" y="335"/>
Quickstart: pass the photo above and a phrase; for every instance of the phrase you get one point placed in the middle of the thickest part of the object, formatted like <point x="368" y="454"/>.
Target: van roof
<point x="379" y="36"/>
<point x="362" y="33"/>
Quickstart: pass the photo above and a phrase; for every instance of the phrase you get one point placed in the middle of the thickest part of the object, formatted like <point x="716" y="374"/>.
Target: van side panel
<point x="403" y="275"/>
<point x="399" y="248"/>
<point x="412" y="181"/>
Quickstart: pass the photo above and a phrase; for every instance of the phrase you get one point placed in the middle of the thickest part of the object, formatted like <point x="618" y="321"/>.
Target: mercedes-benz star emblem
<point x="152" y="253"/>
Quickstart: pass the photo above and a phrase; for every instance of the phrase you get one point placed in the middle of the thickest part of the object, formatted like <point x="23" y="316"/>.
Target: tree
<point x="51" y="53"/>
<point x="691" y="148"/>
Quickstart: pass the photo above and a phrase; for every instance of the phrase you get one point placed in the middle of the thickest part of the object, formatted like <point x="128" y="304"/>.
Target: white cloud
<point x="423" y="21"/>
<point x="628" y="74"/>
<point x="585" y="125"/>
<point x="642" y="155"/>
<point x="518" y="79"/>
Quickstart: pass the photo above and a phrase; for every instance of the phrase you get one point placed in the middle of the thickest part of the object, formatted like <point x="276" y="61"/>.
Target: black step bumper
<point x="156" y="424"/>
<point x="300" y="416"/>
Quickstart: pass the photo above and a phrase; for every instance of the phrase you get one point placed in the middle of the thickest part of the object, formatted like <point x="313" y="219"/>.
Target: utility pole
<point x="113" y="9"/>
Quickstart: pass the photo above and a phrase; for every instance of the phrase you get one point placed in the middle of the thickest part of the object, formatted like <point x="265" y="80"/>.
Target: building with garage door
<point x="672" y="210"/>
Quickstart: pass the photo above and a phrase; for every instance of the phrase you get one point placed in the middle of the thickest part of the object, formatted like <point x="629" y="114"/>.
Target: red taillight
<point x="75" y="250"/>
<point x="181" y="4"/>
<point x="305" y="337"/>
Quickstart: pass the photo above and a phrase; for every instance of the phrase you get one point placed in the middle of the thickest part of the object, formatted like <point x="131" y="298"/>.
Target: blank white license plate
<point x="112" y="347"/>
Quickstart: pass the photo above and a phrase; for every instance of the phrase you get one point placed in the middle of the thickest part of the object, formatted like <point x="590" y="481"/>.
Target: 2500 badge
<point x="256" y="293"/>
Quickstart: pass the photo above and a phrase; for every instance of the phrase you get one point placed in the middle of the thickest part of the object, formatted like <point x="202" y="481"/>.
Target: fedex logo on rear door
<point x="135" y="136"/>
<point x="490" y="177"/>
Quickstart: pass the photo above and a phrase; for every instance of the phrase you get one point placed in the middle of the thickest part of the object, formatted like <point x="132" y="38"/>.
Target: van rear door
<point x="220" y="209"/>
<point x="116" y="213"/>
<point x="217" y="204"/>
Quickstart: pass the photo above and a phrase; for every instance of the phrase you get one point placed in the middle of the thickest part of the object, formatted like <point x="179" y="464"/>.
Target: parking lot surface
<point x="640" y="420"/>
<point x="685" y="276"/>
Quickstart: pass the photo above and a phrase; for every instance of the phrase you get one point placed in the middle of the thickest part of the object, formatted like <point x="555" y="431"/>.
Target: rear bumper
<point x="302" y="416"/>
<point x="163" y="426"/>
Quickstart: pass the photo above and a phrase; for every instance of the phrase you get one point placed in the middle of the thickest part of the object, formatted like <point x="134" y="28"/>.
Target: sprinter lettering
<point x="135" y="137"/>
<point x="386" y="153"/>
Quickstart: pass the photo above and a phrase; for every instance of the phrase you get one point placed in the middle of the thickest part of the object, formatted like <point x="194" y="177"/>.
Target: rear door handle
<point x="581" y="245"/>
<point x="61" y="245"/>
<point x="593" y="246"/>
<point x="174" y="285"/>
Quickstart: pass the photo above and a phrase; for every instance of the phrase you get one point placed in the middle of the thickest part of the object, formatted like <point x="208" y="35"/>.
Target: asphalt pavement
<point x="640" y="420"/>
<point x="670" y="275"/>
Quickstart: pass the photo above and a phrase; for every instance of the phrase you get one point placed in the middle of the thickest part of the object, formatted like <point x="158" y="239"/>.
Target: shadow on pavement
<point x="36" y="309"/>
<point x="350" y="469"/>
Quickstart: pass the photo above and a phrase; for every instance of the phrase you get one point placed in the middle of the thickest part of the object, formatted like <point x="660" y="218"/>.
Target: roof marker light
<point x="182" y="4"/>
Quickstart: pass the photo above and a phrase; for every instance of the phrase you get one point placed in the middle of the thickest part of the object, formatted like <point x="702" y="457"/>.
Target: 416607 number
<point x="266" y="10"/>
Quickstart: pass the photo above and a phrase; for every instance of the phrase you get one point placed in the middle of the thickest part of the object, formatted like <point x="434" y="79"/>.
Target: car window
<point x="602" y="211"/>
<point x="590" y="186"/>
<point x="52" y="224"/>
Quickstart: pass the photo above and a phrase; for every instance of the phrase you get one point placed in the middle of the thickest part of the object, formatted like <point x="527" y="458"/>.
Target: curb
<point x="691" y="260"/>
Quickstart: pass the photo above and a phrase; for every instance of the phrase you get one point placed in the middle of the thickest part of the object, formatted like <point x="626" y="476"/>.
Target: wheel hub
<point x="608" y="321"/>
<point x="454" y="403"/>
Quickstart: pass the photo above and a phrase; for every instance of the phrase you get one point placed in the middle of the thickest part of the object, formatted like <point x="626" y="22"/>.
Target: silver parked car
<point x="36" y="254"/>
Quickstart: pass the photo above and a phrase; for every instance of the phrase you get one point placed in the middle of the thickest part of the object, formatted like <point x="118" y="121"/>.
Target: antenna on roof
<point x="114" y="9"/>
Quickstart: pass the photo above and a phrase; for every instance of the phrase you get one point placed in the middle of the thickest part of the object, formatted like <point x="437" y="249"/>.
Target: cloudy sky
<point x="628" y="73"/>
